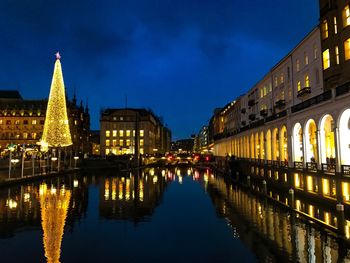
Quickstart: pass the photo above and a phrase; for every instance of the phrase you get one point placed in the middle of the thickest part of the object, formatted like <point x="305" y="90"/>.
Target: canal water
<point x="155" y="215"/>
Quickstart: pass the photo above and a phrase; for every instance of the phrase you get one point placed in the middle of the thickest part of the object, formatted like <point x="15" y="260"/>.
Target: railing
<point x="327" y="95"/>
<point x="340" y="90"/>
<point x="299" y="165"/>
<point x="345" y="170"/>
<point x="280" y="103"/>
<point x="328" y="168"/>
<point x="303" y="91"/>
<point x="276" y="163"/>
<point x="311" y="166"/>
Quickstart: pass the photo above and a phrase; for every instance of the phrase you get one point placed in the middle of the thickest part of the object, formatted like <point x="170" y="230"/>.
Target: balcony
<point x="251" y="102"/>
<point x="304" y="91"/>
<point x="243" y="111"/>
<point x="280" y="104"/>
<point x="263" y="112"/>
<point x="252" y="117"/>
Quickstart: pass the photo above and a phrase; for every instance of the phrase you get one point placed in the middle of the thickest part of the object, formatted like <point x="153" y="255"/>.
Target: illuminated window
<point x="127" y="142"/>
<point x="0" y="122"/>
<point x="17" y="122"/>
<point x="75" y="122"/>
<point x="121" y="142"/>
<point x="347" y="49"/>
<point x="346" y="16"/>
<point x="298" y="65"/>
<point x="299" y="85"/>
<point x="34" y="135"/>
<point x="324" y="29"/>
<point x="306" y="59"/>
<point x="282" y="78"/>
<point x="121" y="133"/>
<point x="114" y="133"/>
<point x="108" y="133"/>
<point x="114" y="143"/>
<point x="142" y="132"/>
<point x="337" y="55"/>
<point x="276" y="81"/>
<point x="133" y="133"/>
<point x="121" y="118"/>
<point x="326" y="60"/>
<point x="335" y="25"/>
<point x="107" y="142"/>
<point x="261" y="93"/>
<point x="25" y="135"/>
<point x="307" y="81"/>
<point x="141" y="150"/>
<point x="107" y="151"/>
<point x="42" y="122"/>
<point x="127" y="133"/>
<point x="34" y="122"/>
<point x="141" y="142"/>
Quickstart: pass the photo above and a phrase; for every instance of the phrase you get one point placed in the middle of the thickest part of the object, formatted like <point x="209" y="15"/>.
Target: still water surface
<point x="154" y="216"/>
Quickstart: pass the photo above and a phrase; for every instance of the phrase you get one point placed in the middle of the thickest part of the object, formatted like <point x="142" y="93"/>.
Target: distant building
<point x="95" y="142"/>
<point x="22" y="121"/>
<point x="118" y="132"/>
<point x="184" y="145"/>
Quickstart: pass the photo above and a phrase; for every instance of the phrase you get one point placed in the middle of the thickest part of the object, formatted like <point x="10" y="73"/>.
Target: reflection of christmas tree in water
<point x="54" y="205"/>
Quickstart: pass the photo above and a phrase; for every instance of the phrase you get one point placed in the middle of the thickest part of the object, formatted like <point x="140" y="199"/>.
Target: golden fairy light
<point x="56" y="128"/>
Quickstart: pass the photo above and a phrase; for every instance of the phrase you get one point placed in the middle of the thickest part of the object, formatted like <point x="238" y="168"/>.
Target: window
<point x="107" y="142"/>
<point x="114" y="118"/>
<point x="114" y="143"/>
<point x="0" y="122"/>
<point x="121" y="133"/>
<point x="282" y="95"/>
<point x="307" y="81"/>
<point x="25" y="135"/>
<point x="75" y="122"/>
<point x="276" y="82"/>
<point x="326" y="60"/>
<point x="127" y="133"/>
<point x="142" y="133"/>
<point x="42" y="122"/>
<point x="127" y="142"/>
<point x="335" y="25"/>
<point x="324" y="29"/>
<point x="133" y="133"/>
<point x="34" y="135"/>
<point x="17" y="122"/>
<point x="347" y="49"/>
<point x="306" y="59"/>
<point x="114" y="133"/>
<point x="121" y="143"/>
<point x="337" y="55"/>
<point x="108" y="133"/>
<point x="141" y="142"/>
<point x="107" y="151"/>
<point x="315" y="52"/>
<point x="346" y="16"/>
<point x="34" y="122"/>
<point x="282" y="78"/>
<point x="299" y="85"/>
<point x="8" y="122"/>
<point x="298" y="65"/>
<point x="121" y="118"/>
<point x="263" y="107"/>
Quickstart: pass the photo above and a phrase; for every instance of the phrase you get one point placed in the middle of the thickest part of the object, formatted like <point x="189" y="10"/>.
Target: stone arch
<point x="311" y="141"/>
<point x="268" y="145"/>
<point x="298" y="155"/>
<point x="344" y="137"/>
<point x="275" y="145"/>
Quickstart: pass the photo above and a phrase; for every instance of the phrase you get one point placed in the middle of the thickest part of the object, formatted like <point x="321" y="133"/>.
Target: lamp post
<point x="76" y="158"/>
<point x="11" y="148"/>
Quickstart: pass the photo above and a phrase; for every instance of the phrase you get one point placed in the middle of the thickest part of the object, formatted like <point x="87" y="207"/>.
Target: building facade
<point x="128" y="131"/>
<point x="22" y="121"/>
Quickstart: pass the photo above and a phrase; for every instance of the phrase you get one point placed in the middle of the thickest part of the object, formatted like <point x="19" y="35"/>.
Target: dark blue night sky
<point x="182" y="58"/>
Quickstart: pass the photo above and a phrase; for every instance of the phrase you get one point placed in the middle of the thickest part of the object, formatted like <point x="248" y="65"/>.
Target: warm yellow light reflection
<point x="325" y="187"/>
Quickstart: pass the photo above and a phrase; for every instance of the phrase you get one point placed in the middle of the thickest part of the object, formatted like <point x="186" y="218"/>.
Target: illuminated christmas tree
<point x="54" y="204"/>
<point x="56" y="128"/>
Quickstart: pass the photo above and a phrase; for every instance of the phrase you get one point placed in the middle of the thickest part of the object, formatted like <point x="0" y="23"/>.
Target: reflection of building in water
<point x="54" y="207"/>
<point x="130" y="198"/>
<point x="272" y="233"/>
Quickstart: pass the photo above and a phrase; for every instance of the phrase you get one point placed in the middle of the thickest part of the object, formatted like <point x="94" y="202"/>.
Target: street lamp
<point x="76" y="158"/>
<point x="11" y="148"/>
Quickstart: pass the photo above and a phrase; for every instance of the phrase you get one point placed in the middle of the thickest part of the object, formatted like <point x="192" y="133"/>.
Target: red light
<point x="207" y="158"/>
